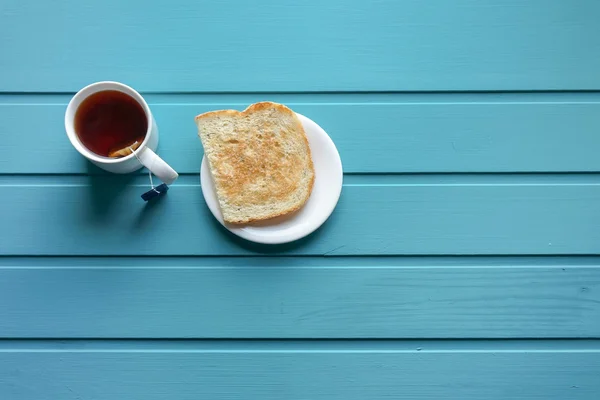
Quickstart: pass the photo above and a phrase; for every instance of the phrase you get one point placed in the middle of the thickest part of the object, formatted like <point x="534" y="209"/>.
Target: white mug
<point x="143" y="156"/>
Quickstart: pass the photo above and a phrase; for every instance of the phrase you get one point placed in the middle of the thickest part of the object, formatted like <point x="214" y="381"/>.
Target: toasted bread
<point x="259" y="159"/>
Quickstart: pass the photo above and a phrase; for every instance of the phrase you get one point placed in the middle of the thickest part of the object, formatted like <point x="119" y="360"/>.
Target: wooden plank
<point x="299" y="298"/>
<point x="138" y="371"/>
<point x="449" y="136"/>
<point x="105" y="216"/>
<point x="328" y="45"/>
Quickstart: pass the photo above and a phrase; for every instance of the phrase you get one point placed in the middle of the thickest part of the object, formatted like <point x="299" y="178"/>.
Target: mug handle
<point x="157" y="166"/>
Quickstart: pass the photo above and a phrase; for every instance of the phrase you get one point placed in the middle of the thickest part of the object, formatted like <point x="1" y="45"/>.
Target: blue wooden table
<point x="462" y="261"/>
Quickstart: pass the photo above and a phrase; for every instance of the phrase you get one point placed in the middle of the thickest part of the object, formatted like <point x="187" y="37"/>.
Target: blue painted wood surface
<point x="314" y="370"/>
<point x="471" y="216"/>
<point x="290" y="297"/>
<point x="275" y="46"/>
<point x="462" y="262"/>
<point x="436" y="133"/>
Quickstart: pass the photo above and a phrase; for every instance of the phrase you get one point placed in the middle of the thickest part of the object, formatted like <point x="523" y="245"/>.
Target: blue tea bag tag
<point x="155" y="192"/>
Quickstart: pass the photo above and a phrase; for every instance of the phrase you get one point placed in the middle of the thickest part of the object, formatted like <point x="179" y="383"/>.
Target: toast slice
<point x="259" y="159"/>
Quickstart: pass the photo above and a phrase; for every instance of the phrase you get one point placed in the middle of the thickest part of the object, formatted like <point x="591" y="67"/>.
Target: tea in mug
<point x="110" y="121"/>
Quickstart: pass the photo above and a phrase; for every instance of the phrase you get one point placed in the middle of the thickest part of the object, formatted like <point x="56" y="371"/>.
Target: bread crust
<point x="253" y="108"/>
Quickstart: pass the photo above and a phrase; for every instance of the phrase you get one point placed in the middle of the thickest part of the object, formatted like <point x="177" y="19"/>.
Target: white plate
<point x="323" y="199"/>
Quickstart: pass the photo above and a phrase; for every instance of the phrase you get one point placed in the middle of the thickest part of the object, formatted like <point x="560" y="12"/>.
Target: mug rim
<point x="71" y="111"/>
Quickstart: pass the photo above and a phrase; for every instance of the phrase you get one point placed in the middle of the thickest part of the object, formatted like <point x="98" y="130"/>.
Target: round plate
<point x="323" y="199"/>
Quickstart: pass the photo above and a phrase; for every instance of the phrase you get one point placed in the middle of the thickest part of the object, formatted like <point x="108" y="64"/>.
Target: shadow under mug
<point x="143" y="156"/>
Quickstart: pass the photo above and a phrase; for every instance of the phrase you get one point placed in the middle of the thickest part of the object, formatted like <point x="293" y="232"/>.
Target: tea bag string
<point x="149" y="169"/>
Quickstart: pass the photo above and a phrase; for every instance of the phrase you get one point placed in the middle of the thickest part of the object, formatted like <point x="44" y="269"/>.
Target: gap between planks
<point x="302" y="345"/>
<point x="352" y="179"/>
<point x="301" y="261"/>
<point x="326" y="98"/>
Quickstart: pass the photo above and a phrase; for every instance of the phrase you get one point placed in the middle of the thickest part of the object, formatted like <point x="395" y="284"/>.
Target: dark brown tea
<point x="110" y="120"/>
